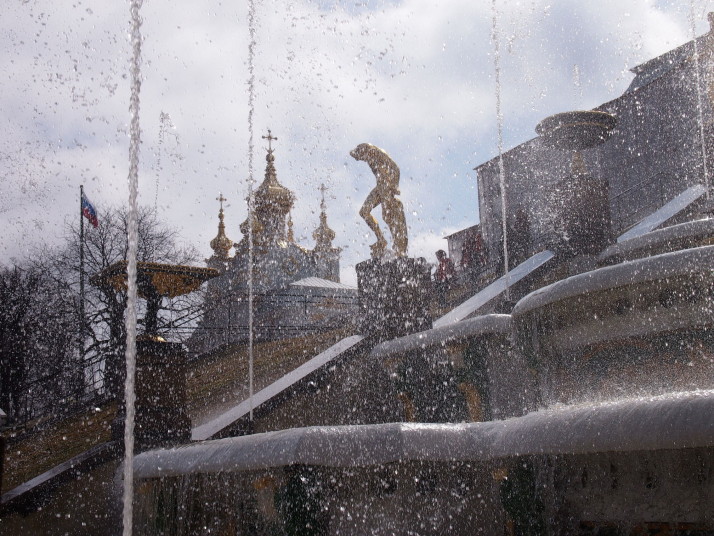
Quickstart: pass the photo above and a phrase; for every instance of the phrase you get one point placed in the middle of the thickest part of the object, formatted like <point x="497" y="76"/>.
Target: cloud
<point x="416" y="78"/>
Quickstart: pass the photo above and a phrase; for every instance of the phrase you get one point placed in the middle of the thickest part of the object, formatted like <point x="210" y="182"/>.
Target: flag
<point x="88" y="211"/>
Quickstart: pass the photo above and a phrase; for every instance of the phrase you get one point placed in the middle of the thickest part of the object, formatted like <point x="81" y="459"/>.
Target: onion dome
<point x="221" y="245"/>
<point x="271" y="195"/>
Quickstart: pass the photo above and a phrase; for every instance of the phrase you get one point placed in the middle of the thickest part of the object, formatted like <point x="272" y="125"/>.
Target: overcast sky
<point x="415" y="77"/>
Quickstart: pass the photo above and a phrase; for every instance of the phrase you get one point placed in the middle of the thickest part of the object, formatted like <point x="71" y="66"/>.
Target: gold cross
<point x="270" y="138"/>
<point x="221" y="199"/>
<point x="323" y="189"/>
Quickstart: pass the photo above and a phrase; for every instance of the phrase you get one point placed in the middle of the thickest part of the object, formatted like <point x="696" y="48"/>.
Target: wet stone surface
<point x="394" y="297"/>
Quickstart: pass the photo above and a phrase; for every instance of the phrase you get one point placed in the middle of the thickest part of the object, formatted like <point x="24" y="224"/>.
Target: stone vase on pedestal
<point x="161" y="415"/>
<point x="587" y="223"/>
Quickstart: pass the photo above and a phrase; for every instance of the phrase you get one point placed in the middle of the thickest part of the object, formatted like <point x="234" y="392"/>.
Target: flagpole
<point x="82" y="325"/>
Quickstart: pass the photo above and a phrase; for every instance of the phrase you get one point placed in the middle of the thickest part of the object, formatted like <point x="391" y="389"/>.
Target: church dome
<point x="271" y="194"/>
<point x="221" y="244"/>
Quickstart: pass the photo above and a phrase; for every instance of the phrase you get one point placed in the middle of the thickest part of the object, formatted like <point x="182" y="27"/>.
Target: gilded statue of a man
<point x="386" y="172"/>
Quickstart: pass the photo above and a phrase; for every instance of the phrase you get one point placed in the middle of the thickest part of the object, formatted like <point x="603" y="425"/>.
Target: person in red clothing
<point x="445" y="272"/>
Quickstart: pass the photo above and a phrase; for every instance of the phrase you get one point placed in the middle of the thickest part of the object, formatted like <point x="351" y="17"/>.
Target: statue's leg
<point x="373" y="199"/>
<point x="393" y="214"/>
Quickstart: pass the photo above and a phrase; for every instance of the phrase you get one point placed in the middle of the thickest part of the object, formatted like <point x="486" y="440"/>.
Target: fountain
<point x="589" y="409"/>
<point x="161" y="415"/>
<point x="586" y="220"/>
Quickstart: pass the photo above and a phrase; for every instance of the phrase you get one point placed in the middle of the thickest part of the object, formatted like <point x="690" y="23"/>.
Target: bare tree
<point x="37" y="343"/>
<point x="52" y="358"/>
<point x="104" y="332"/>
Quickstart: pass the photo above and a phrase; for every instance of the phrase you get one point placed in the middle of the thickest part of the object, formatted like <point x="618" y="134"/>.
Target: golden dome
<point x="271" y="194"/>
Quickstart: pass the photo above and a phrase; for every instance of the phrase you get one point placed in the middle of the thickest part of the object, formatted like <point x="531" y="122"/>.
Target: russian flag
<point x="89" y="212"/>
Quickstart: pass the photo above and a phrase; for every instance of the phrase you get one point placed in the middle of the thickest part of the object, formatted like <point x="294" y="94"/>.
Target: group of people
<point x="473" y="257"/>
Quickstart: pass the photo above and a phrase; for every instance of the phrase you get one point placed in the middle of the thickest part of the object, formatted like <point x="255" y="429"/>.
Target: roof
<point x="656" y="68"/>
<point x="473" y="228"/>
<point x="320" y="283"/>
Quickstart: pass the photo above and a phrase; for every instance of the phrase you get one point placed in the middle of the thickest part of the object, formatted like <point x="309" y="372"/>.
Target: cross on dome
<point x="270" y="139"/>
<point x="323" y="189"/>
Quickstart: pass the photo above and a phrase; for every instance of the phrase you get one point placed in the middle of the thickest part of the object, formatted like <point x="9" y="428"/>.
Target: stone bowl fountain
<point x="576" y="130"/>
<point x="161" y="413"/>
<point x="640" y="327"/>
<point x="155" y="281"/>
<point x="582" y="448"/>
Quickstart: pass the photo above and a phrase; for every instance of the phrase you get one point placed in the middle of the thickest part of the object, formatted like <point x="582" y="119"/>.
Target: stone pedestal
<point x="160" y="384"/>
<point x="586" y="216"/>
<point x="393" y="297"/>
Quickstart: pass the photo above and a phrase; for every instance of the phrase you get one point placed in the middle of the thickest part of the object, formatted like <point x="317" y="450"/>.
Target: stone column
<point x="161" y="413"/>
<point x="586" y="215"/>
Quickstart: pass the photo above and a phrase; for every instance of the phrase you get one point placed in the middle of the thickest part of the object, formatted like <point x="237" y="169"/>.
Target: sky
<point x="415" y="77"/>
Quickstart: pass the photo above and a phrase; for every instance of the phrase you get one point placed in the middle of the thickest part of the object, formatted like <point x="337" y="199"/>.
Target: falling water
<point x="577" y="85"/>
<point x="163" y="120"/>
<point x="251" y="200"/>
<point x="699" y="96"/>
<point x="131" y="267"/>
<point x="499" y="120"/>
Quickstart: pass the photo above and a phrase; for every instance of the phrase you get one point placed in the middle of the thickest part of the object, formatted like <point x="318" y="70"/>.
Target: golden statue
<point x="386" y="172"/>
